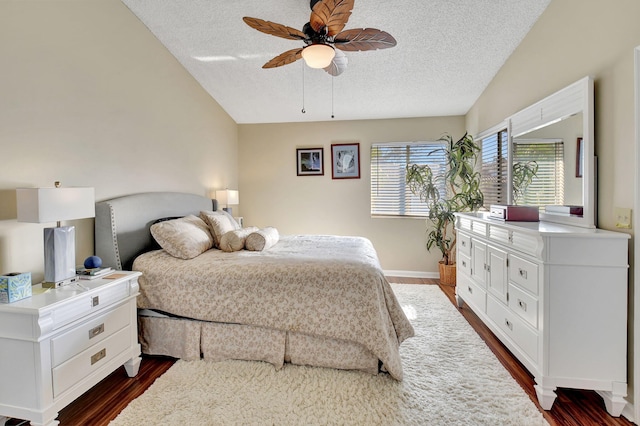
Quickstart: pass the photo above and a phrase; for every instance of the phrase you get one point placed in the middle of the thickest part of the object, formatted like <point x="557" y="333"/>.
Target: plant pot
<point x="447" y="274"/>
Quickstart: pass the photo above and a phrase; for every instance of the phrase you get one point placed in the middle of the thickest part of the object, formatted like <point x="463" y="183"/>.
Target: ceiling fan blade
<point x="284" y="58"/>
<point x="363" y="39"/>
<point x="332" y="14"/>
<point x="274" y="29"/>
<point x="338" y="64"/>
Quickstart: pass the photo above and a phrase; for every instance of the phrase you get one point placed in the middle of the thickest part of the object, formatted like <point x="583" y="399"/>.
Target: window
<point x="547" y="186"/>
<point x="494" y="184"/>
<point x="390" y="195"/>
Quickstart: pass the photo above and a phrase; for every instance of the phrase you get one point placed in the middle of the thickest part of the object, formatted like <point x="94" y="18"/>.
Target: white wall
<point x="272" y="194"/>
<point x="89" y="97"/>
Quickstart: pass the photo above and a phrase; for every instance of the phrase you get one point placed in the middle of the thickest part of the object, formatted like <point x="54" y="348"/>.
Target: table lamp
<point x="43" y="205"/>
<point x="227" y="197"/>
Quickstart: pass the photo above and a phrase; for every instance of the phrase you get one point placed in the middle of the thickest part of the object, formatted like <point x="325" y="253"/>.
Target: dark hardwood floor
<point x="102" y="403"/>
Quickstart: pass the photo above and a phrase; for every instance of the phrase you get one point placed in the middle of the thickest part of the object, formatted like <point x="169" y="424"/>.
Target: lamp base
<point x="59" y="255"/>
<point x="60" y="283"/>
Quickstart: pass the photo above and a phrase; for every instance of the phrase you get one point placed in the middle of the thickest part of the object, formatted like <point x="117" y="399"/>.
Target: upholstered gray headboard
<point x="122" y="224"/>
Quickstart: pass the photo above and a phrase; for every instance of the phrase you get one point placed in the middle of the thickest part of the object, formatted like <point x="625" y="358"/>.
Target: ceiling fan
<point x="323" y="34"/>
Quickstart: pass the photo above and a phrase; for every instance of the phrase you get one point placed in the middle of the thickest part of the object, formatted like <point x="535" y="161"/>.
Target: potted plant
<point x="523" y="173"/>
<point x="456" y="188"/>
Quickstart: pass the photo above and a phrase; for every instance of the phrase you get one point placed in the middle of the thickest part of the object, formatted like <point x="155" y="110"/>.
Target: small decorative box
<point x="15" y="286"/>
<point x="514" y="213"/>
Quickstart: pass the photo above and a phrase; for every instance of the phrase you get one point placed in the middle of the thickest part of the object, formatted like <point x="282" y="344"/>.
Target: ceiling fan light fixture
<point x="318" y="55"/>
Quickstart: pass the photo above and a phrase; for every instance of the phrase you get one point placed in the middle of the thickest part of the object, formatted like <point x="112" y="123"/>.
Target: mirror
<point x="556" y="136"/>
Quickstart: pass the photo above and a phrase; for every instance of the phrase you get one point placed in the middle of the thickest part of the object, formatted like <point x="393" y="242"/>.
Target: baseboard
<point x="412" y="274"/>
<point x="629" y="412"/>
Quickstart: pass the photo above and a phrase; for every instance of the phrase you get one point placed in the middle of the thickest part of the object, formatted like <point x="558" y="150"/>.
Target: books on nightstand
<point x="92" y="273"/>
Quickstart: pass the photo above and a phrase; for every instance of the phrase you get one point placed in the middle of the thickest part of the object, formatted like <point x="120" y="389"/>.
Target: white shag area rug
<point x="451" y="378"/>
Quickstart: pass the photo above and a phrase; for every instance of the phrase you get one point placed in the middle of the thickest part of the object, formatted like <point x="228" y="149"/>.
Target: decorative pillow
<point x="234" y="240"/>
<point x="184" y="238"/>
<point x="263" y="239"/>
<point x="220" y="222"/>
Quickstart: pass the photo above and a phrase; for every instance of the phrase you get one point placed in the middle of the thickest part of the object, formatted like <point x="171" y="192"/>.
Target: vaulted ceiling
<point x="447" y="52"/>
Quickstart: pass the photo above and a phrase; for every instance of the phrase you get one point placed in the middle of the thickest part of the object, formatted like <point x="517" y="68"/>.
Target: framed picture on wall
<point x="345" y="161"/>
<point x="579" y="156"/>
<point x="310" y="161"/>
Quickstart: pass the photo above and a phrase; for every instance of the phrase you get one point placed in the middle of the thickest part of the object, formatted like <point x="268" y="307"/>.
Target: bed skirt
<point x="190" y="340"/>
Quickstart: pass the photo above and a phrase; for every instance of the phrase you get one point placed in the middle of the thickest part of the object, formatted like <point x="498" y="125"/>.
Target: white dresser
<point x="555" y="295"/>
<point x="57" y="344"/>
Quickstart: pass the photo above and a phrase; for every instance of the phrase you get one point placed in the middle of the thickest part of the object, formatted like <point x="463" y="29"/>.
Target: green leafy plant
<point x="462" y="191"/>
<point x="523" y="173"/>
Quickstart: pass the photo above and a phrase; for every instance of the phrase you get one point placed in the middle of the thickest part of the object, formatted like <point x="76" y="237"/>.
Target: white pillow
<point x="184" y="238"/>
<point x="263" y="239"/>
<point x="220" y="222"/>
<point x="234" y="240"/>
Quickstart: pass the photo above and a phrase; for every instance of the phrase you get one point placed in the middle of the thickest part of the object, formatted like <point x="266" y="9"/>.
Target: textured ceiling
<point x="447" y="53"/>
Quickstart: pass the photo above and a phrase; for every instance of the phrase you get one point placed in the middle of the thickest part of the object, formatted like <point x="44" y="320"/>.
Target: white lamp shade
<point x="228" y="197"/>
<point x="318" y="55"/>
<point x="43" y="205"/>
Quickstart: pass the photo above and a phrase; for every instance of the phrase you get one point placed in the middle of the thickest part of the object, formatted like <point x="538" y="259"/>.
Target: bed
<point x="308" y="299"/>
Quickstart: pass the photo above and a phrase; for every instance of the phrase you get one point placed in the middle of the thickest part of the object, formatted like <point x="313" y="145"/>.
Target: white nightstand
<point x="59" y="343"/>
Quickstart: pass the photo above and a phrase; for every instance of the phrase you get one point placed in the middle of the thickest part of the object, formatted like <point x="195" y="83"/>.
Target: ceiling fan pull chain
<point x="331" y="97"/>
<point x="303" y="110"/>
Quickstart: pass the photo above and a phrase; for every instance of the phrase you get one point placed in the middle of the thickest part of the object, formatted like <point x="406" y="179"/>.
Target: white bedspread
<point x="318" y="285"/>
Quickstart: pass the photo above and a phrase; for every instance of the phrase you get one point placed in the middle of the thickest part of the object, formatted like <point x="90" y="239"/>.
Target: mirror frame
<point x="573" y="99"/>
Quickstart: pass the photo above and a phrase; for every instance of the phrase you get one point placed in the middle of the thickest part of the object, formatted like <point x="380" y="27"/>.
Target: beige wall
<point x="572" y="39"/>
<point x="89" y="97"/>
<point x="272" y="194"/>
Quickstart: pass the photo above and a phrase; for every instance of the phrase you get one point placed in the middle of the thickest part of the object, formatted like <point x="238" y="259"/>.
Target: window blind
<point x="547" y="186"/>
<point x="494" y="170"/>
<point x="390" y="195"/>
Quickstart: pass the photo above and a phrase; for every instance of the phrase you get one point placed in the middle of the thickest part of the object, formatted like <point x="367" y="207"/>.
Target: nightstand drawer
<point x="77" y="340"/>
<point x="90" y="360"/>
<point x="86" y="303"/>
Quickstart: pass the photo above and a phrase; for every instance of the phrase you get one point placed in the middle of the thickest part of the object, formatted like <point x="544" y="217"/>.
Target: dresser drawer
<point x="526" y="243"/>
<point x="471" y="293"/>
<point x="464" y="243"/>
<point x="89" y="302"/>
<point x="479" y="228"/>
<point x="90" y="360"/>
<point x="523" y="273"/>
<point x="499" y="234"/>
<point x="464" y="223"/>
<point x="464" y="264"/>
<point x="523" y="304"/>
<point x="89" y="333"/>
<point x="519" y="332"/>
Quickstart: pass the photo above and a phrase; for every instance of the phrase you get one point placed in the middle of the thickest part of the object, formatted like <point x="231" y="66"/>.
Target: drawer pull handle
<point x="96" y="330"/>
<point x="508" y="324"/>
<point x="464" y="264"/>
<point x="523" y="273"/>
<point x="98" y="356"/>
<point x="522" y="305"/>
<point x="470" y="290"/>
<point x="464" y="243"/>
<point x="95" y="301"/>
